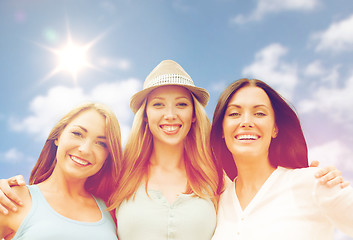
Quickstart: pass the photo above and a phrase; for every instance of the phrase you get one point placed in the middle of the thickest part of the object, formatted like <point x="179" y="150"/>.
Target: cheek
<point x="104" y="152"/>
<point x="227" y="126"/>
<point x="102" y="156"/>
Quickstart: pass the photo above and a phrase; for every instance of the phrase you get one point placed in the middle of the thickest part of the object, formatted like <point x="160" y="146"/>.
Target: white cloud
<point x="271" y="68"/>
<point x="46" y="110"/>
<point x="114" y="63"/>
<point x="323" y="74"/>
<point x="334" y="153"/>
<point x="315" y="69"/>
<point x="265" y="7"/>
<point x="337" y="38"/>
<point x="335" y="100"/>
<point x="13" y="155"/>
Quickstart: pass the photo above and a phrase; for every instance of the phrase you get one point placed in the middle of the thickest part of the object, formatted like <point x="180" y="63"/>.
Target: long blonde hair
<point x="104" y="182"/>
<point x="202" y="173"/>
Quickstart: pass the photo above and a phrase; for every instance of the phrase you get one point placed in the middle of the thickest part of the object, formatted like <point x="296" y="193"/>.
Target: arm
<point x="8" y="198"/>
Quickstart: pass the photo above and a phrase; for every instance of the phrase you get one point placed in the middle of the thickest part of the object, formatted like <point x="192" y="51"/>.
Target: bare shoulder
<point x="13" y="220"/>
<point x="22" y="192"/>
<point x="10" y="222"/>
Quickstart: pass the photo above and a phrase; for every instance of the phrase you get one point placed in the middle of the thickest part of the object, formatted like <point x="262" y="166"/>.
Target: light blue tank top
<point x="151" y="217"/>
<point x="43" y="223"/>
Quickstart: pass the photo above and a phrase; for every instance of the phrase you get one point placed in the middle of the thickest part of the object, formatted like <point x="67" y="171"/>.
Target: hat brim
<point x="137" y="99"/>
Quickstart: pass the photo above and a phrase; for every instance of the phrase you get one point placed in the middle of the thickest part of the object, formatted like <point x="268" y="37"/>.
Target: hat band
<point x="170" y="79"/>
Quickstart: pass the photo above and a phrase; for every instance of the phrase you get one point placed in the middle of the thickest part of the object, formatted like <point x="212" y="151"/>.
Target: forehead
<point x="90" y="120"/>
<point x="170" y="91"/>
<point x="250" y="95"/>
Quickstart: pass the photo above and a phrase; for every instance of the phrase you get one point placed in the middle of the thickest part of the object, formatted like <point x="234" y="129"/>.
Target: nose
<point x="170" y="114"/>
<point x="85" y="146"/>
<point x="246" y="121"/>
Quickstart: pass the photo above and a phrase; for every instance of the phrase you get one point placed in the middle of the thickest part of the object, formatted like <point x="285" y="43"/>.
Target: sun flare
<point x="72" y="58"/>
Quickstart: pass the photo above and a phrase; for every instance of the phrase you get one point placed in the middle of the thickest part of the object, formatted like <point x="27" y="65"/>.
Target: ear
<point x="193" y="119"/>
<point x="56" y="142"/>
<point x="275" y="131"/>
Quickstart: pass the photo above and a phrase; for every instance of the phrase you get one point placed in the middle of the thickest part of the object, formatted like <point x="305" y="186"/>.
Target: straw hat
<point x="167" y="73"/>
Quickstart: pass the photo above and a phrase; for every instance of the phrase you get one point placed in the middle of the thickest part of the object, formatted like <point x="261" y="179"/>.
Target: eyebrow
<point x="256" y="106"/>
<point x="85" y="130"/>
<point x="162" y="98"/>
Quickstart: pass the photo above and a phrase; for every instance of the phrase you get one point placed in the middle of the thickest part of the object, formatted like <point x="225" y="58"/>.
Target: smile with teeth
<point x="247" y="137"/>
<point x="170" y="128"/>
<point x="79" y="161"/>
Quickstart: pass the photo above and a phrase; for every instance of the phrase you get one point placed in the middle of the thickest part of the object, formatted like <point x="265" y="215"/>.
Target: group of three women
<point x="169" y="182"/>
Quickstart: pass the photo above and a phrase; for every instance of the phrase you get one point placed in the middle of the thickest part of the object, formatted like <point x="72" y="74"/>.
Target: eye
<point x="260" y="114"/>
<point x="182" y="104"/>
<point x="76" y="133"/>
<point x="103" y="144"/>
<point x="233" y="114"/>
<point x="157" y="104"/>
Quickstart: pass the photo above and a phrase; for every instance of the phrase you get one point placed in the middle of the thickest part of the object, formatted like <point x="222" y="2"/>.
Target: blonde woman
<point x="169" y="184"/>
<point x="71" y="180"/>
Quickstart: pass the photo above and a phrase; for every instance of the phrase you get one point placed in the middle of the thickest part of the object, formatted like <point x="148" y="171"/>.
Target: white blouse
<point x="291" y="204"/>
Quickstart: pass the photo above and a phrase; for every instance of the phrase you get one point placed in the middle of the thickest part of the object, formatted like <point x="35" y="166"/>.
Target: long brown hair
<point x="202" y="175"/>
<point x="103" y="183"/>
<point x="288" y="149"/>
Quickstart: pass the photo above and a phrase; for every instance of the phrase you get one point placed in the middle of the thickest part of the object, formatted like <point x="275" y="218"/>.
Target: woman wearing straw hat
<point x="169" y="185"/>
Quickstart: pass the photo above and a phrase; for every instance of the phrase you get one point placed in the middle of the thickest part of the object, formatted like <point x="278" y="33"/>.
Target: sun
<point x="72" y="58"/>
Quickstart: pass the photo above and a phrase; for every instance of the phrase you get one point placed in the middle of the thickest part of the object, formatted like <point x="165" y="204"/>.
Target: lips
<point x="170" y="129"/>
<point x="79" y="161"/>
<point x="247" y="137"/>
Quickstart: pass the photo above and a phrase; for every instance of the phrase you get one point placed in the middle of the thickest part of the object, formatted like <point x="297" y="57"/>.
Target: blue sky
<point x="303" y="48"/>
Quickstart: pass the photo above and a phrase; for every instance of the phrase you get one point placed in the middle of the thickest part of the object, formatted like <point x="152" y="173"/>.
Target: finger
<point x="314" y="163"/>
<point x="324" y="171"/>
<point x="345" y="184"/>
<point x="7" y="195"/>
<point x="17" y="181"/>
<point x="333" y="175"/>
<point x="335" y="181"/>
<point x="3" y="210"/>
<point x="6" y="203"/>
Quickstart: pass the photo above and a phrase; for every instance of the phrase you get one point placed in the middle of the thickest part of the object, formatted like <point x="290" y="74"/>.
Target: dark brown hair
<point x="288" y="149"/>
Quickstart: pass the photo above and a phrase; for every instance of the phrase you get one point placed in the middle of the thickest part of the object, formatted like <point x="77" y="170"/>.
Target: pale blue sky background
<point x="303" y="48"/>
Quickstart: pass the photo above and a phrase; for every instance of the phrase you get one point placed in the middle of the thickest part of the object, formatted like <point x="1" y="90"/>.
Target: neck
<point x="253" y="172"/>
<point x="169" y="157"/>
<point x="56" y="183"/>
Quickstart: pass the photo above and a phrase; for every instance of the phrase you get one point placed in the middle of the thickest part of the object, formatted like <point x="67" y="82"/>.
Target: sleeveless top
<point x="43" y="223"/>
<point x="152" y="217"/>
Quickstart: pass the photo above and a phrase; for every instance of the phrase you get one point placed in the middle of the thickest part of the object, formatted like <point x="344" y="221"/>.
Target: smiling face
<point x="82" y="148"/>
<point x="249" y="123"/>
<point x="169" y="113"/>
